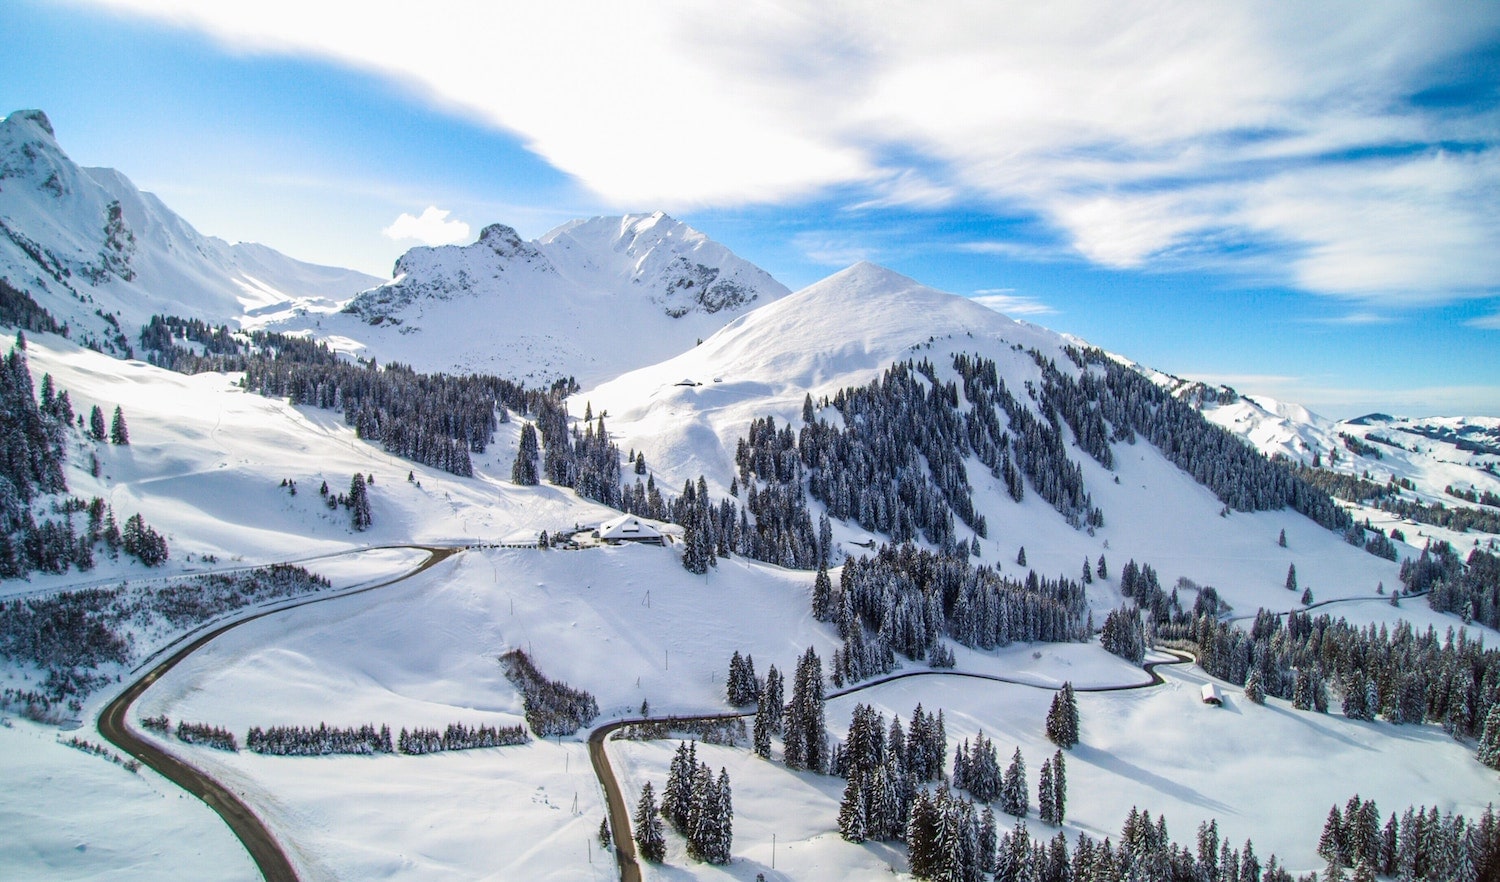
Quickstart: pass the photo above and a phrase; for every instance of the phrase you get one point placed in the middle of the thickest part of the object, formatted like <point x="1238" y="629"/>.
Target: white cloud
<point x="1488" y="322"/>
<point x="1008" y="302"/>
<point x="431" y="228"/>
<point x="1139" y="130"/>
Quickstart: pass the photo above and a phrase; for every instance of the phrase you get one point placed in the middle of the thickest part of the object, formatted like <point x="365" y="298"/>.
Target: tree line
<point x="552" y="708"/>
<point x="73" y="637"/>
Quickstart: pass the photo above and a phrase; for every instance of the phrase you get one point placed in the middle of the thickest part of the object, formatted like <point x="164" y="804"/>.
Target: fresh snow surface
<point x="69" y="815"/>
<point x="589" y="299"/>
<point x="627" y="624"/>
<point x="206" y="461"/>
<point x="55" y="244"/>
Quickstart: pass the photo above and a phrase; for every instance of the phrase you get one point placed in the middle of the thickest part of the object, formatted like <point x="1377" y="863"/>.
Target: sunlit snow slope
<point x="103" y="257"/>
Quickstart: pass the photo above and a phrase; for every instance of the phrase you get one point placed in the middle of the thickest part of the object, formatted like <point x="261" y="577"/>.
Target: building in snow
<point x="1211" y="695"/>
<point x="628" y="528"/>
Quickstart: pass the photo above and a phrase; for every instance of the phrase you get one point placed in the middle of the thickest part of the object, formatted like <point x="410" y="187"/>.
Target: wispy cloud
<point x="832" y="250"/>
<point x="1008" y="302"/>
<point x="1136" y="130"/>
<point x="1488" y="322"/>
<point x="1360" y="318"/>
<point x="431" y="228"/>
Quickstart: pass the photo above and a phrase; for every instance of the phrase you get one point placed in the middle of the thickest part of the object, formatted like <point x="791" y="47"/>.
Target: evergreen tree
<point x="773" y="699"/>
<point x="1088" y="572"/>
<point x="1254" y="692"/>
<point x="359" y="503"/>
<point x="1307" y="597"/>
<point x="852" y="824"/>
<point x="650" y="839"/>
<point x="677" y="795"/>
<point x="1291" y="577"/>
<point x="1013" y="790"/>
<point x="1045" y="790"/>
<point x="524" y="472"/>
<point x="96" y="424"/>
<point x="118" y="434"/>
<point x="1062" y="718"/>
<point x="1103" y="569"/>
<point x="1331" y="846"/>
<point x="741" y="687"/>
<point x="1281" y="540"/>
<point x="604" y="840"/>
<point x="1059" y="787"/>
<point x="822" y="596"/>
<point x="1021" y="557"/>
<point x="1489" y="741"/>
<point x="762" y="730"/>
<point x="805" y="739"/>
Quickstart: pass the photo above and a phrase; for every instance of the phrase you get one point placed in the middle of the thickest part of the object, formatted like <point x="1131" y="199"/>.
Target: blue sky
<point x="1299" y="202"/>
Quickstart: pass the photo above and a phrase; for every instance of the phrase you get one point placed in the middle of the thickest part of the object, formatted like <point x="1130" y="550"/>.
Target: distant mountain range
<point x="103" y="257"/>
<point x="589" y="299"/>
<point x="596" y="299"/>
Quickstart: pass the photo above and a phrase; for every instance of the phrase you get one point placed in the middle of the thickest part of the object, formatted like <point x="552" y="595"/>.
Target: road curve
<point x="619" y="812"/>
<point x="268" y="855"/>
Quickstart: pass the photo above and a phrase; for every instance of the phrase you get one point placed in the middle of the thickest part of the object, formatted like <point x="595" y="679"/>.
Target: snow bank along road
<point x="264" y="850"/>
<point x="619" y="813"/>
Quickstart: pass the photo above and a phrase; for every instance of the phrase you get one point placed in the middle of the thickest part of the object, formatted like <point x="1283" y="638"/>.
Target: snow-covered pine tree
<point x="822" y="595"/>
<point x="852" y="824"/>
<point x="118" y="433"/>
<point x="1045" y="790"/>
<point x="1291" y="577"/>
<point x="650" y="839"/>
<point x="1059" y="786"/>
<point x="773" y="699"/>
<point x="1014" y="799"/>
<point x="762" y="730"/>
<point x="1489" y="741"/>
<point x="96" y="424"/>
<point x="524" y="471"/>
<point x="805" y="739"/>
<point x="359" y="503"/>
<point x="1254" y="691"/>
<point x="1062" y="717"/>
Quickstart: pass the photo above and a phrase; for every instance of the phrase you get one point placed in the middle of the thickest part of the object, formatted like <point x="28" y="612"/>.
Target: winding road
<point x="619" y="811"/>
<point x="250" y="830"/>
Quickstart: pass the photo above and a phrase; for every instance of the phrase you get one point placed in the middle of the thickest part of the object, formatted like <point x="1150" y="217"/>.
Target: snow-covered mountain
<point x="590" y="299"/>
<point x="102" y="257"/>
<point x="1432" y="453"/>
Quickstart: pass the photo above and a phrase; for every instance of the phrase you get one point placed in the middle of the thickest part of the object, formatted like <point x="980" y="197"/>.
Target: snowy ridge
<point x="591" y="299"/>
<point x="688" y="412"/>
<point x="1433" y="453"/>
<point x="86" y="243"/>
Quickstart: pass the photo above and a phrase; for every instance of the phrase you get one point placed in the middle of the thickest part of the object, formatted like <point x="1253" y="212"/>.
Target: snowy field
<point x="68" y="815"/>
<point x="423" y="653"/>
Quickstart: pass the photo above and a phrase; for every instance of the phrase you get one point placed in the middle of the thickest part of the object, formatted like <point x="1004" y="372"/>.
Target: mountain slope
<point x="102" y="256"/>
<point x="590" y="299"/>
<point x="687" y="416"/>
